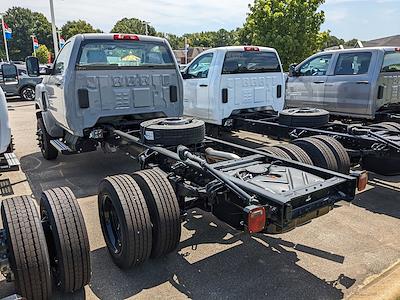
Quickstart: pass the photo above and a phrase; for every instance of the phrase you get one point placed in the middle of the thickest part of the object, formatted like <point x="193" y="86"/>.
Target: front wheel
<point x="47" y="149"/>
<point x="27" y="93"/>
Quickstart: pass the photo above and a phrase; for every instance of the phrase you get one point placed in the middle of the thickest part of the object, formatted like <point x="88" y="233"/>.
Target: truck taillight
<point x="129" y="37"/>
<point x="362" y="181"/>
<point x="397" y="49"/>
<point x="256" y="218"/>
<point x="251" y="48"/>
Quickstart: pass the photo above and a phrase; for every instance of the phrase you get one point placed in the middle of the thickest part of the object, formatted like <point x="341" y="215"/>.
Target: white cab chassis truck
<point x="227" y="81"/>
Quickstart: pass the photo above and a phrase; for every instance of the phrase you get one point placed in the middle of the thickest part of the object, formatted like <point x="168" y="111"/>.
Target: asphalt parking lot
<point x="329" y="258"/>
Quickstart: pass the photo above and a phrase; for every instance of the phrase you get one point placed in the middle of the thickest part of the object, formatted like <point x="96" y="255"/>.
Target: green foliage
<point x="72" y="28"/>
<point x="132" y="25"/>
<point x="24" y="23"/>
<point x="290" y="26"/>
<point x="42" y="53"/>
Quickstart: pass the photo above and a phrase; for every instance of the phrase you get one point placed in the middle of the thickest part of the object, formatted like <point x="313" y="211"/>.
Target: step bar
<point x="61" y="147"/>
<point x="9" y="162"/>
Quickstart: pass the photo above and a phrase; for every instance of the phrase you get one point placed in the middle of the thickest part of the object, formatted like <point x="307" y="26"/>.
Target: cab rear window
<point x="240" y="62"/>
<point x="391" y="62"/>
<point x="124" y="54"/>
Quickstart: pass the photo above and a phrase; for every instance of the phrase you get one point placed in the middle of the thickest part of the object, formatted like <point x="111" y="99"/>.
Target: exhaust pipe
<point x="214" y="156"/>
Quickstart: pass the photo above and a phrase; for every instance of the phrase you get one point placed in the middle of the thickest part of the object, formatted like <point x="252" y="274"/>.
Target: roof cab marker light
<point x="362" y="181"/>
<point x="250" y="48"/>
<point x="128" y="37"/>
<point x="256" y="218"/>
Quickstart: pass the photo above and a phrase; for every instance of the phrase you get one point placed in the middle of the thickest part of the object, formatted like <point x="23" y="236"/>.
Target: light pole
<point x="54" y="29"/>
<point x="4" y="36"/>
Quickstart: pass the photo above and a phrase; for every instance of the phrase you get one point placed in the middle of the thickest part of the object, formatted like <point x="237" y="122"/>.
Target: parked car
<point x="17" y="82"/>
<point x="224" y="81"/>
<point x="352" y="83"/>
<point x="98" y="79"/>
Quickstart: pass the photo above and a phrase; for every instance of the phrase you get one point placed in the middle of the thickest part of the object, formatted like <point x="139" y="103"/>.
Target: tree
<point x="133" y="25"/>
<point x="72" y="28"/>
<point x="332" y="41"/>
<point x="42" y="53"/>
<point x="290" y="26"/>
<point x="24" y="23"/>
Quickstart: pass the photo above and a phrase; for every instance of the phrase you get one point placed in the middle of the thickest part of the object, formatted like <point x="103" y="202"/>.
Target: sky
<point x="347" y="19"/>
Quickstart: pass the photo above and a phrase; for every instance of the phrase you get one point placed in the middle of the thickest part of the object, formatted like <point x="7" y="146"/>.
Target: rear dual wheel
<point x="52" y="245"/>
<point x="26" y="248"/>
<point x="139" y="216"/>
<point x="390" y="126"/>
<point x="326" y="152"/>
<point x="67" y="239"/>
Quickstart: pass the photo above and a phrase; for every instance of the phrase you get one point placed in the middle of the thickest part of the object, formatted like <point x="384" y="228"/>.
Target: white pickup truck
<point x="225" y="81"/>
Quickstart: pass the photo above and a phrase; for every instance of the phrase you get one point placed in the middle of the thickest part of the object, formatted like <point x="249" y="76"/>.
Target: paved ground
<point x="330" y="258"/>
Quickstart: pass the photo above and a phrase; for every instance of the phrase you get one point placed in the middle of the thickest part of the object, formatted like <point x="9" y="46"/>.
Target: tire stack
<point x="46" y="249"/>
<point x="321" y="151"/>
<point x="139" y="216"/>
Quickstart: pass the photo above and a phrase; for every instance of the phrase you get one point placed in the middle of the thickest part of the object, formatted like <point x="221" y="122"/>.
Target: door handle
<point x="203" y="85"/>
<point x="363" y="82"/>
<point x="319" y="82"/>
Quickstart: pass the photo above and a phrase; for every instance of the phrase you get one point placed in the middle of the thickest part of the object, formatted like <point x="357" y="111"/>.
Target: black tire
<point x="125" y="221"/>
<point x="277" y="152"/>
<point x="67" y="239"/>
<point x="27" y="93"/>
<point x="391" y="126"/>
<point x="47" y="149"/>
<point x="304" y="117"/>
<point x="164" y="210"/>
<point x="173" y="131"/>
<point x="320" y="154"/>
<point x="341" y="155"/>
<point x="27" y="250"/>
<point x="296" y="153"/>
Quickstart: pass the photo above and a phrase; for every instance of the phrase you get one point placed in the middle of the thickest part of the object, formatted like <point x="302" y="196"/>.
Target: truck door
<point x="347" y="91"/>
<point x="55" y="84"/>
<point x="306" y="87"/>
<point x="196" y="87"/>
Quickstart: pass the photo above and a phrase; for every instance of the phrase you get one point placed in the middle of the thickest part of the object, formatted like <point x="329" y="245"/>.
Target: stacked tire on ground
<point x="46" y="249"/>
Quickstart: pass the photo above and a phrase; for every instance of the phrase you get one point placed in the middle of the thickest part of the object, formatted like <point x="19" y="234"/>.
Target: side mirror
<point x="32" y="66"/>
<point x="9" y="71"/>
<point x="185" y="75"/>
<point x="47" y="70"/>
<point x="292" y="70"/>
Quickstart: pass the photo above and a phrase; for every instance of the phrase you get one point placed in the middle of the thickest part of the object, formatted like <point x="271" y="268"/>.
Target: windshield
<point x="391" y="62"/>
<point x="238" y="62"/>
<point x="109" y="54"/>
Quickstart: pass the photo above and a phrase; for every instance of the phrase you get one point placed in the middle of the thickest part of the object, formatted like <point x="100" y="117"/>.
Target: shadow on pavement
<point x="246" y="267"/>
<point x="81" y="172"/>
<point x="383" y="198"/>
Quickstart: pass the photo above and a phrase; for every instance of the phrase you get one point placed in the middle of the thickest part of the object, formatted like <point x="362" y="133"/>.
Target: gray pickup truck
<point x="15" y="81"/>
<point x="359" y="83"/>
<point x="105" y="79"/>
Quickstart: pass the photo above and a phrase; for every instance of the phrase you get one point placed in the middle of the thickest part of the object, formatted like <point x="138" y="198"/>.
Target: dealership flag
<point x="62" y="42"/>
<point x="8" y="31"/>
<point x="35" y="43"/>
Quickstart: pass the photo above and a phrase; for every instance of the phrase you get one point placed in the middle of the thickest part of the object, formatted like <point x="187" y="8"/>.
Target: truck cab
<point x="225" y="81"/>
<point x="361" y="83"/>
<point x="100" y="80"/>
